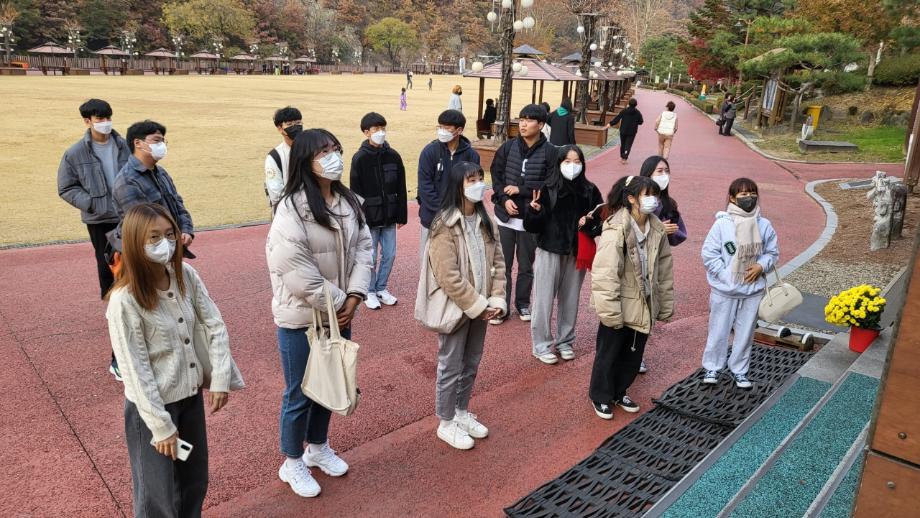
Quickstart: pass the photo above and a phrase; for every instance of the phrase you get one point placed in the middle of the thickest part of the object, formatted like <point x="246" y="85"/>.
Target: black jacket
<point x="509" y="168"/>
<point x="556" y="224"/>
<point x="378" y="176"/>
<point x="563" y="127"/>
<point x="630" y="119"/>
<point x="434" y="164"/>
<point x="490" y="114"/>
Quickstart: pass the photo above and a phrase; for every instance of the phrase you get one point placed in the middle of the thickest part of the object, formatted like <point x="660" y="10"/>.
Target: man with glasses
<point x="143" y="180"/>
<point x="289" y="124"/>
<point x="86" y="179"/>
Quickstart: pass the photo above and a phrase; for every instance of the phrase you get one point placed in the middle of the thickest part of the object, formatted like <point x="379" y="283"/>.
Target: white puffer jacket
<point x="304" y="257"/>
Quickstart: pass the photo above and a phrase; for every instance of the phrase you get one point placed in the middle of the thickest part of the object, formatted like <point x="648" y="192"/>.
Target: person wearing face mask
<point x="632" y="287"/>
<point x="739" y="250"/>
<point x="144" y="180"/>
<point x="319" y="243"/>
<point x="86" y="179"/>
<point x="465" y="260"/>
<point x="172" y="345"/>
<point x="558" y="215"/>
<point x="435" y="162"/>
<point x="379" y="177"/>
<point x="289" y="123"/>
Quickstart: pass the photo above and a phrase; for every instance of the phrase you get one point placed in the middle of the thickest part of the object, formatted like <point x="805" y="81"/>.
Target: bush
<point x="898" y="70"/>
<point x="833" y="83"/>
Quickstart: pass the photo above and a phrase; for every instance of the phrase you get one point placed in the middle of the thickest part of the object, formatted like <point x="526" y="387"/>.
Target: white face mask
<point x="662" y="180"/>
<point x="379" y="137"/>
<point x="445" y="136"/>
<point x="158" y="150"/>
<point x="333" y="166"/>
<point x="475" y="192"/>
<point x="570" y="170"/>
<point x="648" y="204"/>
<point x="103" y="127"/>
<point x="161" y="252"/>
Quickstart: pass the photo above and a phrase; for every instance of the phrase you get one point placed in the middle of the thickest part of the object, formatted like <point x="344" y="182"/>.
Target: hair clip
<point x="628" y="179"/>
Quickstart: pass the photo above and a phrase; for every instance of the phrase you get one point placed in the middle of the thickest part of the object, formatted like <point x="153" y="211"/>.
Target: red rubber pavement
<point x="62" y="430"/>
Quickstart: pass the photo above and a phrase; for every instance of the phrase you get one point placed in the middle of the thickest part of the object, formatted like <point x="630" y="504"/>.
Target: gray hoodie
<point x="719" y="248"/>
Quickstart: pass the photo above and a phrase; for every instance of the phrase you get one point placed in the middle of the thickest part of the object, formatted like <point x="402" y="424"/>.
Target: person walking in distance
<point x="666" y="127"/>
<point x="632" y="286"/>
<point x="466" y="262"/>
<point x="729" y="112"/>
<point x="629" y="120"/>
<point x="403" y="101"/>
<point x="86" y="180"/>
<point x="562" y="124"/>
<point x="409" y="79"/>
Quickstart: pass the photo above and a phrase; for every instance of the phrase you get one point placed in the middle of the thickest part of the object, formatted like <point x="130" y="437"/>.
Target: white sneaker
<point x="299" y="478"/>
<point x="642" y="368"/>
<point x="470" y="425"/>
<point x="326" y="460"/>
<point x="567" y="354"/>
<point x="386" y="298"/>
<point x="452" y="434"/>
<point x="548" y="358"/>
<point x="372" y="302"/>
<point x="496" y="321"/>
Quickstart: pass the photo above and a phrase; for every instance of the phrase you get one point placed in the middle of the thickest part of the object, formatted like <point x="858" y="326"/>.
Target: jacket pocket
<point x="373" y="210"/>
<point x="92" y="177"/>
<point x="390" y="175"/>
<point x="99" y="205"/>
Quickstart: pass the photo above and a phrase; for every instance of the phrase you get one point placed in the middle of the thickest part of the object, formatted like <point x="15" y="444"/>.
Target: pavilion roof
<point x="536" y="71"/>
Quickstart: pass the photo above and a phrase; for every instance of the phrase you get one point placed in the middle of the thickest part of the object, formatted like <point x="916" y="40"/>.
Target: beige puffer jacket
<point x="304" y="257"/>
<point x="616" y="283"/>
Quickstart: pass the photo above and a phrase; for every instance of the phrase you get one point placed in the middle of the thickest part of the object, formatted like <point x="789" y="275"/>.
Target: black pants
<point x="726" y="128"/>
<point x="97" y="237"/>
<point x="163" y="487"/>
<point x="522" y="245"/>
<point x="616" y="364"/>
<point x="626" y="142"/>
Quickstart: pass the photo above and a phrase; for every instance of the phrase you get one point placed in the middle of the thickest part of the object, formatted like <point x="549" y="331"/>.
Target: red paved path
<point x="61" y="441"/>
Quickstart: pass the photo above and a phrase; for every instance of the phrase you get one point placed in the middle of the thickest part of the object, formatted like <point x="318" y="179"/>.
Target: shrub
<point x="833" y="83"/>
<point x="899" y="70"/>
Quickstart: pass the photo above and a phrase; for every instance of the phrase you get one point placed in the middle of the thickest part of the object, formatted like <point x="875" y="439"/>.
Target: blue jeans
<point x="385" y="238"/>
<point x="301" y="418"/>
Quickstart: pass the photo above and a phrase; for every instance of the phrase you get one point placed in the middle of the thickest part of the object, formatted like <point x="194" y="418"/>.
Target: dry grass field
<point x="219" y="130"/>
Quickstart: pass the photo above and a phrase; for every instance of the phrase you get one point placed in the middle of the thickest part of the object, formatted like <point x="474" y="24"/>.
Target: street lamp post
<point x="75" y="42"/>
<point x="128" y="40"/>
<point x="6" y="31"/>
<point x="508" y="13"/>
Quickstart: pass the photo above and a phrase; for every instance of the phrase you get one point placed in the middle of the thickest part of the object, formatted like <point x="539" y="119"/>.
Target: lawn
<point x="876" y="144"/>
<point x="219" y="130"/>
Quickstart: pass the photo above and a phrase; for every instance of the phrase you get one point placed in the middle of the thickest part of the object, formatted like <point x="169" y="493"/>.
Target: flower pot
<point x="861" y="338"/>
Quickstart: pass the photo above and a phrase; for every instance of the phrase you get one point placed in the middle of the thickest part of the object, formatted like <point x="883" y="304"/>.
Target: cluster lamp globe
<point x="526" y="4"/>
<point x="516" y="66"/>
<point x="524" y="70"/>
<point x="507" y="4"/>
<point x="529" y="22"/>
<point x="492" y="16"/>
<point x="477" y="66"/>
<point x="518" y="26"/>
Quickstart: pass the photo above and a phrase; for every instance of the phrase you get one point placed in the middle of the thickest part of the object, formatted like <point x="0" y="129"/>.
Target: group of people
<point x="629" y="120"/>
<point x="327" y="239"/>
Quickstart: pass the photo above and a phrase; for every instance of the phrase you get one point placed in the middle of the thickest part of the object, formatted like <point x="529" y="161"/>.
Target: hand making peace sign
<point x="535" y="204"/>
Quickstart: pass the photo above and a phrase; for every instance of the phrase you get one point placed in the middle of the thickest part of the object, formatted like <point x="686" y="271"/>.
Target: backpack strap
<point x="276" y="157"/>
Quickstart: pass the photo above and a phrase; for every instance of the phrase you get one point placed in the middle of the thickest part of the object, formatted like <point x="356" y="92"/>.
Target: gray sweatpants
<point x="726" y="313"/>
<point x="556" y="278"/>
<point x="459" y="354"/>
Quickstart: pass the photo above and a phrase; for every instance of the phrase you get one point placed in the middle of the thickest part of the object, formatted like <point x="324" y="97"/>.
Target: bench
<point x="833" y="146"/>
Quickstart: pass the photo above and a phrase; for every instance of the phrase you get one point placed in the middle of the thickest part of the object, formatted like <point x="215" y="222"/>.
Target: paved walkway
<point x="61" y="436"/>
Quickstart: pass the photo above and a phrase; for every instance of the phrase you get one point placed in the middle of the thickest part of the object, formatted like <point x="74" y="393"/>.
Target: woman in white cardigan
<point x="171" y="343"/>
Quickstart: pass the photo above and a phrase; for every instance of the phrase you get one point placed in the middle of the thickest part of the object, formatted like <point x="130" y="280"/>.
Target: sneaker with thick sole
<point x="454" y="435"/>
<point x="627" y="404"/>
<point x="115" y="371"/>
<point x="299" y="478"/>
<point x="742" y="381"/>
<point x="603" y="410"/>
<point x="471" y="425"/>
<point x="386" y="298"/>
<point x="524" y="314"/>
<point x="711" y="377"/>
<point x="567" y="354"/>
<point x="326" y="460"/>
<point x="642" y="368"/>
<point x="548" y="358"/>
<point x="372" y="302"/>
<point x="497" y="321"/>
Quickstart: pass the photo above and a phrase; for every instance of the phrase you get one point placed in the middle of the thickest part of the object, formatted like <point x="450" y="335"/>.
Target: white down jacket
<point x="304" y="257"/>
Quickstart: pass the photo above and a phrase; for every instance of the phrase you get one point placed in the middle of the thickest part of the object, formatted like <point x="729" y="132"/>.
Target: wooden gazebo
<point x="114" y="52"/>
<point x="158" y="55"/>
<point x="279" y="61"/>
<point x="50" y="48"/>
<point x="206" y="57"/>
<point x="240" y="59"/>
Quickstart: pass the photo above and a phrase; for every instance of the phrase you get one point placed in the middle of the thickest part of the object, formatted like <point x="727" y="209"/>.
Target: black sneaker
<point x="524" y="313"/>
<point x="603" y="410"/>
<point x="627" y="404"/>
<point x="114" y="370"/>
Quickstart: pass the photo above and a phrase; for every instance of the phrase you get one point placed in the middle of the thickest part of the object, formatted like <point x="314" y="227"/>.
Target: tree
<point x="393" y="37"/>
<point x="101" y="20"/>
<point x="660" y="54"/>
<point x="202" y="20"/>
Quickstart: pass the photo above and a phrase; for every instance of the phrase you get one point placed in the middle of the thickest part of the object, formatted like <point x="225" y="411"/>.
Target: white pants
<point x="726" y="313"/>
<point x="555" y="276"/>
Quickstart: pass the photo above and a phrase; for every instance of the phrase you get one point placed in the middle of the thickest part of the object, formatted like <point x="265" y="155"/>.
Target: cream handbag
<point x="780" y="299"/>
<point x="331" y="376"/>
<point x="433" y="308"/>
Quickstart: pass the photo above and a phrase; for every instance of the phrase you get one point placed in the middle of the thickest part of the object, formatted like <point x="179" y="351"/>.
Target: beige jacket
<point x="446" y="244"/>
<point x="616" y="284"/>
<point x="304" y="257"/>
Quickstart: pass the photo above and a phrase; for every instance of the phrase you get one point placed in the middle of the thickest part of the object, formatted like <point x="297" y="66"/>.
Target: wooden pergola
<point x="238" y="61"/>
<point x="158" y="55"/>
<point x="50" y="48"/>
<point x="108" y="51"/>
<point x="206" y="56"/>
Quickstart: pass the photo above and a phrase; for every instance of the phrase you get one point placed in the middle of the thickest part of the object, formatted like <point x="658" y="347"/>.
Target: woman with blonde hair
<point x="455" y="102"/>
<point x="170" y="342"/>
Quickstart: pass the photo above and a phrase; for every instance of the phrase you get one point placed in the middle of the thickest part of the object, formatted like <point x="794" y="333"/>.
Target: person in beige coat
<point x="466" y="259"/>
<point x="632" y="286"/>
<point x="318" y="243"/>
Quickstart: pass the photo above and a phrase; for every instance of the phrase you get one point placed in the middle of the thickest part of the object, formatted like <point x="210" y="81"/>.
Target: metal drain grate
<point x="635" y="467"/>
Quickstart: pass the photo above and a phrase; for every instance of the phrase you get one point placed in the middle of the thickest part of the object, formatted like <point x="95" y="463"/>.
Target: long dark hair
<point x="581" y="186"/>
<point x="629" y="186"/>
<point x="301" y="177"/>
<point x="453" y="196"/>
<point x="668" y="204"/>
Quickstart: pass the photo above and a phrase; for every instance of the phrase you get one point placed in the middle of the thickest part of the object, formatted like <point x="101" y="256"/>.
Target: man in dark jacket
<point x="143" y="180"/>
<point x="436" y="161"/>
<point x="86" y="179"/>
<point x="729" y="111"/>
<point x="379" y="176"/>
<point x="629" y="119"/>
<point x="562" y="123"/>
<point x="520" y="167"/>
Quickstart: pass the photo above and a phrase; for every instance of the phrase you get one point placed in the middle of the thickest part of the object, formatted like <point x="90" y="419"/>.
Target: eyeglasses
<point x="155" y="239"/>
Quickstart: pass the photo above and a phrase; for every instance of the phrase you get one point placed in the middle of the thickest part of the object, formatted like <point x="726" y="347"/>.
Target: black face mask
<point x="293" y="131"/>
<point x="746" y="203"/>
